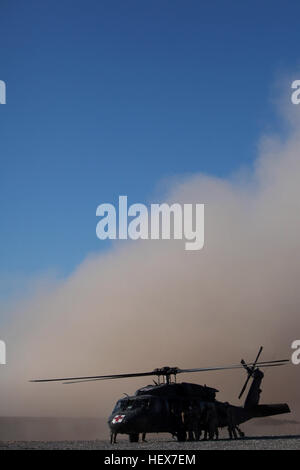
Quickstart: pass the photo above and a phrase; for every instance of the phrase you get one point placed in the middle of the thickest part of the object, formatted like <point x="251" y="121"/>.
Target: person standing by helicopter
<point x="189" y="422"/>
<point x="191" y="418"/>
<point x="210" y="421"/>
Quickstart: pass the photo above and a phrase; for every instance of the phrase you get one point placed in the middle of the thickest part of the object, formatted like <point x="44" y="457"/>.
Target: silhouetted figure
<point x="210" y="422"/>
<point x="231" y="426"/>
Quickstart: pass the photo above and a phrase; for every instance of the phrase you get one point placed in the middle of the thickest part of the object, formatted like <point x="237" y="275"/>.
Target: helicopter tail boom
<point x="261" y="411"/>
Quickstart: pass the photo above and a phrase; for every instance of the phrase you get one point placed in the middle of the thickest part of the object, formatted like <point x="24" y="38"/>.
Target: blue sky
<point x="111" y="97"/>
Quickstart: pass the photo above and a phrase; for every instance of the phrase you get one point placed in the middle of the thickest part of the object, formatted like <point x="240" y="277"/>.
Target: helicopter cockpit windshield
<point x="132" y="403"/>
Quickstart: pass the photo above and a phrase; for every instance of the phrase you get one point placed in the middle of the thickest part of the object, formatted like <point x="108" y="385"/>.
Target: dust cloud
<point x="143" y="305"/>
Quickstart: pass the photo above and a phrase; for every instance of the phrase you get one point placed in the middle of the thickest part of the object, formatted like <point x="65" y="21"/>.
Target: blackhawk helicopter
<point x="161" y="407"/>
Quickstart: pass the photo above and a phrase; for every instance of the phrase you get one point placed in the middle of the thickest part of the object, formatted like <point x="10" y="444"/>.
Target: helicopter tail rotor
<point x="249" y="370"/>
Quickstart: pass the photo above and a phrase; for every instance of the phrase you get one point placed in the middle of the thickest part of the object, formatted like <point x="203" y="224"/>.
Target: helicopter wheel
<point x="181" y="436"/>
<point x="133" y="438"/>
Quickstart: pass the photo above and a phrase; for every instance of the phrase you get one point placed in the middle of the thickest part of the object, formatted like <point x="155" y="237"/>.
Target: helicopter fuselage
<point x="161" y="409"/>
<point x="179" y="408"/>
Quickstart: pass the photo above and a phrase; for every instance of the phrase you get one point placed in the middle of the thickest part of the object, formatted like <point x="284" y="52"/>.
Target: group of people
<point x="205" y="417"/>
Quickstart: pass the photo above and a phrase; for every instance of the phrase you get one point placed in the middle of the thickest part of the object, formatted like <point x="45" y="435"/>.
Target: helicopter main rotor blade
<point x="95" y="377"/>
<point x="179" y="371"/>
<point x="156" y="372"/>
<point x="237" y="366"/>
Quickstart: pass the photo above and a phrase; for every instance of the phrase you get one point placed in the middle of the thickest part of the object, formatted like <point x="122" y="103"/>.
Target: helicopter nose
<point x="118" y="419"/>
<point x="124" y="423"/>
<point x="117" y="422"/>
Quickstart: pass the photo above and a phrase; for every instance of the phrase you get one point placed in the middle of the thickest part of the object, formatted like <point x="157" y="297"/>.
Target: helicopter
<point x="162" y="406"/>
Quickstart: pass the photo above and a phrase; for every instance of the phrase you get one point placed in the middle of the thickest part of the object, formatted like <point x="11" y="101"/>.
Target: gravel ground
<point x="253" y="443"/>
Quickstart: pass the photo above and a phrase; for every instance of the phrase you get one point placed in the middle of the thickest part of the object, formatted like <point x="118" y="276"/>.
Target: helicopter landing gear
<point x="240" y="432"/>
<point x="133" y="438"/>
<point x="181" y="436"/>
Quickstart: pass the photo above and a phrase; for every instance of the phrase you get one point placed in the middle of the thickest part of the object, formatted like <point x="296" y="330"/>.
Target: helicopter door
<point x="158" y="416"/>
<point x="175" y="408"/>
